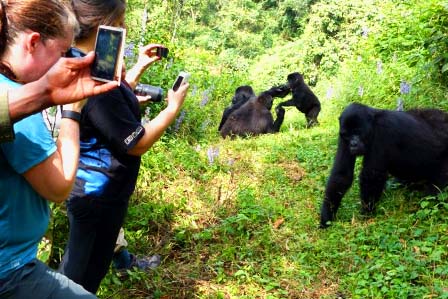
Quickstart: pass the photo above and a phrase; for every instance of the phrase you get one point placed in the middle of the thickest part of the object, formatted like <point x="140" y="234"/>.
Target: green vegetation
<point x="238" y="219"/>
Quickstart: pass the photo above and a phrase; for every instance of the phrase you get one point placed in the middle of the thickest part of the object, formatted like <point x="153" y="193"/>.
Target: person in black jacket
<point x="112" y="142"/>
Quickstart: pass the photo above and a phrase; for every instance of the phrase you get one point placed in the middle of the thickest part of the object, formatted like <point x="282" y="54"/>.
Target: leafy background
<point x="238" y="219"/>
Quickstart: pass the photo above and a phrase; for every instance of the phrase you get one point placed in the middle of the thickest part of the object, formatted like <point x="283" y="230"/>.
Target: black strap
<point x="71" y="114"/>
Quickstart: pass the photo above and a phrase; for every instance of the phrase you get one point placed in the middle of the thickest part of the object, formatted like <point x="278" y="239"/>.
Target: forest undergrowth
<point x="239" y="218"/>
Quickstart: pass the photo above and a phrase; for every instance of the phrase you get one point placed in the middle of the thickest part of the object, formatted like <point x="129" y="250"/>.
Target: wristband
<point x="76" y="116"/>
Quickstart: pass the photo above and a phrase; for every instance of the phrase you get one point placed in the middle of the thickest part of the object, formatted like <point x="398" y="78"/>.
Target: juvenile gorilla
<point x="302" y="97"/>
<point x="253" y="118"/>
<point x="411" y="146"/>
<point x="242" y="95"/>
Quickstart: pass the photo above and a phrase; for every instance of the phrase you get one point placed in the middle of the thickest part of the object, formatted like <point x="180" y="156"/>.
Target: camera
<point x="155" y="92"/>
<point x="109" y="47"/>
<point x="162" y="52"/>
<point x="181" y="79"/>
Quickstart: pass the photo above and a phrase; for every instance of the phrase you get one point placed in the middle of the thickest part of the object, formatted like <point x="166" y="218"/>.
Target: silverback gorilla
<point x="302" y="97"/>
<point x="411" y="146"/>
<point x="252" y="118"/>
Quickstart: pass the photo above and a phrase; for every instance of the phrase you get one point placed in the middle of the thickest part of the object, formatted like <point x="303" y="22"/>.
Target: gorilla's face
<point x="355" y="131"/>
<point x="294" y="80"/>
<point x="356" y="146"/>
<point x="243" y="94"/>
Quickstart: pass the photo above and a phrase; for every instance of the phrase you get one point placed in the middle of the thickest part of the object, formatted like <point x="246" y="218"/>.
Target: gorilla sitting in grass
<point x="251" y="118"/>
<point x="242" y="95"/>
<point x="411" y="146"/>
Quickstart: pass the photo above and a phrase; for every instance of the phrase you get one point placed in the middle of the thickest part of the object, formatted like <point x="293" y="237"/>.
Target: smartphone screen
<point x="108" y="50"/>
<point x="183" y="77"/>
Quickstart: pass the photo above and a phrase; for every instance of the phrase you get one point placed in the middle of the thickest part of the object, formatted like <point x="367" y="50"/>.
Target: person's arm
<point x="6" y="129"/>
<point x="156" y="127"/>
<point x="66" y="82"/>
<point x="146" y="56"/>
<point x="54" y="177"/>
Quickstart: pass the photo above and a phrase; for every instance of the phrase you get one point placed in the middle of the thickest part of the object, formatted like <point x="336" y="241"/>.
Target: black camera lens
<point x="74" y="52"/>
<point x="155" y="92"/>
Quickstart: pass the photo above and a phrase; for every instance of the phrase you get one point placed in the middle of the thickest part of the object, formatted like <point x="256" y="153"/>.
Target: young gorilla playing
<point x="411" y="146"/>
<point x="302" y="98"/>
<point x="252" y="118"/>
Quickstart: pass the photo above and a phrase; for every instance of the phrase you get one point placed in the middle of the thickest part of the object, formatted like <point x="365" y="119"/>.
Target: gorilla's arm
<point x="280" y="91"/>
<point x="279" y="120"/>
<point x="225" y="115"/>
<point x="372" y="180"/>
<point x="340" y="180"/>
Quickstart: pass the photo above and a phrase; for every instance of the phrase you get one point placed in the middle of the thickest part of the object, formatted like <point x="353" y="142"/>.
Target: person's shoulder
<point x="121" y="92"/>
<point x="127" y="91"/>
<point x="5" y="82"/>
<point x="104" y="99"/>
<point x="113" y="100"/>
<point x="33" y="119"/>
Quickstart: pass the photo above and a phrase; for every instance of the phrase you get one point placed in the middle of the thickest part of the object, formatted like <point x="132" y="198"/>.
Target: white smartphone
<point x="181" y="79"/>
<point x="109" y="47"/>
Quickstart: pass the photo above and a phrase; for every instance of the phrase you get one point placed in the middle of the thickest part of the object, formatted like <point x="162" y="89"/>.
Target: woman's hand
<point x="146" y="56"/>
<point x="176" y="99"/>
<point x="69" y="80"/>
<point x="157" y="126"/>
<point x="143" y="100"/>
<point x="65" y="82"/>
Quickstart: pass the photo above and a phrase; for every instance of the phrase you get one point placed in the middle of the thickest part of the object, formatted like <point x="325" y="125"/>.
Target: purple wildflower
<point x="212" y="154"/>
<point x="205" y="95"/>
<point x="194" y="90"/>
<point x="129" y="50"/>
<point x="400" y="104"/>
<point x="365" y="31"/>
<point x="379" y="67"/>
<point x="144" y="21"/>
<point x="205" y="99"/>
<point x="179" y="120"/>
<point x="360" y="91"/>
<point x="405" y="88"/>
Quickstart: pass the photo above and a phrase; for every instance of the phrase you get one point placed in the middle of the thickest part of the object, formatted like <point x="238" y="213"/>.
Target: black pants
<point x="94" y="228"/>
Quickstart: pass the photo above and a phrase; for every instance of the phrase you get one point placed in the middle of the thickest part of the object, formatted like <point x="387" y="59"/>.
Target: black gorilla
<point x="253" y="118"/>
<point x="302" y="97"/>
<point x="242" y="95"/>
<point x="411" y="146"/>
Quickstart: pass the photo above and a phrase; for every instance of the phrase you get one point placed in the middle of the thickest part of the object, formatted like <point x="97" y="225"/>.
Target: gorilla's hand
<point x="280" y="111"/>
